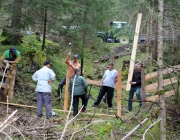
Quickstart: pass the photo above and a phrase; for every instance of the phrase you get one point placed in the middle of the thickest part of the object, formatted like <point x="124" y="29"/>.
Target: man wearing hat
<point x="44" y="78"/>
<point x="72" y="65"/>
<point x="11" y="56"/>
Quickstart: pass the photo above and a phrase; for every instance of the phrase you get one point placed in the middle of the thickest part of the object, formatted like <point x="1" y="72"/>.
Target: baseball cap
<point x="12" y="50"/>
<point x="76" y="56"/>
<point x="46" y="62"/>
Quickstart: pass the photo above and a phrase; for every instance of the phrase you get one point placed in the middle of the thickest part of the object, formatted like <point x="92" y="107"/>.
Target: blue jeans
<point x="136" y="89"/>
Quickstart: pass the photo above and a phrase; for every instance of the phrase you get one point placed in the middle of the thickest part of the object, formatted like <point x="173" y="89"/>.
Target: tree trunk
<point x="149" y="34"/>
<point x="44" y="30"/>
<point x="14" y="35"/>
<point x="160" y="71"/>
<point x="82" y="56"/>
<point x="154" y="51"/>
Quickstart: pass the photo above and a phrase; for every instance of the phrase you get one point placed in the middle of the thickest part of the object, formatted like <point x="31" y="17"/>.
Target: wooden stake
<point x="7" y="105"/>
<point x="66" y="96"/>
<point x="119" y="88"/>
<point x="133" y="55"/>
<point x="143" y="87"/>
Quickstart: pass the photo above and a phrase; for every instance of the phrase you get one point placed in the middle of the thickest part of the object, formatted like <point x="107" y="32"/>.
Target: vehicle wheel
<point x="101" y="39"/>
<point x="124" y="39"/>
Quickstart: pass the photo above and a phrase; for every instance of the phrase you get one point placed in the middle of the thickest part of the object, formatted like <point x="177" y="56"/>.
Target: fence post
<point x="143" y="87"/>
<point x="12" y="81"/>
<point x="66" y="95"/>
<point x="119" y="89"/>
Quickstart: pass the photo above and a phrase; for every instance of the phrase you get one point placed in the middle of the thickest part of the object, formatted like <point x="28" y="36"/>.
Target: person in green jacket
<point x="80" y="88"/>
<point x="11" y="56"/>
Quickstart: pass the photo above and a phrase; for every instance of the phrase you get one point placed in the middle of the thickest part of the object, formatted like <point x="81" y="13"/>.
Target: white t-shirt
<point x="109" y="77"/>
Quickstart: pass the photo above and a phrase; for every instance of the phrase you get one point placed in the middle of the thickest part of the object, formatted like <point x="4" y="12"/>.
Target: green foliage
<point x="30" y="41"/>
<point x="104" y="131"/>
<point x="160" y="92"/>
<point x="33" y="59"/>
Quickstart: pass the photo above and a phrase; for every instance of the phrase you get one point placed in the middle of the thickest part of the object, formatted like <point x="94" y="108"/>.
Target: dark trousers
<point x="136" y="89"/>
<point x="60" y="87"/>
<point x="76" y="103"/>
<point x="44" y="98"/>
<point x="110" y="94"/>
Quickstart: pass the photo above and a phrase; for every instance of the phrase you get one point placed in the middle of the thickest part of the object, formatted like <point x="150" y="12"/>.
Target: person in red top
<point x="72" y="65"/>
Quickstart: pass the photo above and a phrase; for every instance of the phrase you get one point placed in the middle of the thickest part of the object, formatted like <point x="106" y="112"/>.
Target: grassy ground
<point x="109" y="127"/>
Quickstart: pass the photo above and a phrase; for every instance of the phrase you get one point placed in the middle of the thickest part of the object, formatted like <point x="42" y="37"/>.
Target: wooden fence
<point x="147" y="88"/>
<point x="7" y="85"/>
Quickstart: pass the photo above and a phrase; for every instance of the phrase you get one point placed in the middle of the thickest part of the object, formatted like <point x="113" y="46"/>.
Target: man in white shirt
<point x="108" y="82"/>
<point x="44" y="78"/>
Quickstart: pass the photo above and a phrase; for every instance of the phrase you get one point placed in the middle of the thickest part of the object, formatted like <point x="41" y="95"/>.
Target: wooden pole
<point x="143" y="87"/>
<point x="20" y="105"/>
<point x="119" y="88"/>
<point x="66" y="96"/>
<point x="133" y="55"/>
<point x="5" y="93"/>
<point x="12" y="81"/>
<point x="7" y="105"/>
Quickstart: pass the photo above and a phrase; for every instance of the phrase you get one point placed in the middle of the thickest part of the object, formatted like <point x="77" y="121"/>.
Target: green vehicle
<point x="120" y="32"/>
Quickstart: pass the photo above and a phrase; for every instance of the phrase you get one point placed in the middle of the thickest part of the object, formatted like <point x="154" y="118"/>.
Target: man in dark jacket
<point x="80" y="86"/>
<point x="135" y="87"/>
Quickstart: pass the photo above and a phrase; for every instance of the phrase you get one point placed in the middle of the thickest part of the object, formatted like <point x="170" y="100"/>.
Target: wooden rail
<point x="151" y="87"/>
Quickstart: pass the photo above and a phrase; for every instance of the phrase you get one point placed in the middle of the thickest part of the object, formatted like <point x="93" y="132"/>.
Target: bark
<point x="149" y="34"/>
<point x="160" y="71"/>
<point x="82" y="58"/>
<point x="44" y="30"/>
<point x="143" y="87"/>
<point x="154" y="52"/>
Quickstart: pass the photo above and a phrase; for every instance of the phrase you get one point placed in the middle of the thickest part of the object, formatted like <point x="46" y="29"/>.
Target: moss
<point x="33" y="59"/>
<point x="40" y="57"/>
<point x="160" y="92"/>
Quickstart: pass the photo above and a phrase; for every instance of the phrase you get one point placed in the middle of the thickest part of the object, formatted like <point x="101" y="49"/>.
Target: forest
<point x="101" y="32"/>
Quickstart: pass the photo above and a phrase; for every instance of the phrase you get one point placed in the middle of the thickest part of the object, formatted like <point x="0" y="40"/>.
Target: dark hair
<point x="76" y="71"/>
<point x="46" y="62"/>
<point x="111" y="64"/>
<point x="140" y="64"/>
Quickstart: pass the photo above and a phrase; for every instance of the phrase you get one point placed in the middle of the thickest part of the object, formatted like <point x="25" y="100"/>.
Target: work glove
<point x="6" y="61"/>
<point x="7" y="65"/>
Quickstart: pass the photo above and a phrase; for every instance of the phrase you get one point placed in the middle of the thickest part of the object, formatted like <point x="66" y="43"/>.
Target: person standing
<point x="72" y="65"/>
<point x="135" y="87"/>
<point x="108" y="82"/>
<point x="44" y="78"/>
<point x="80" y="88"/>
